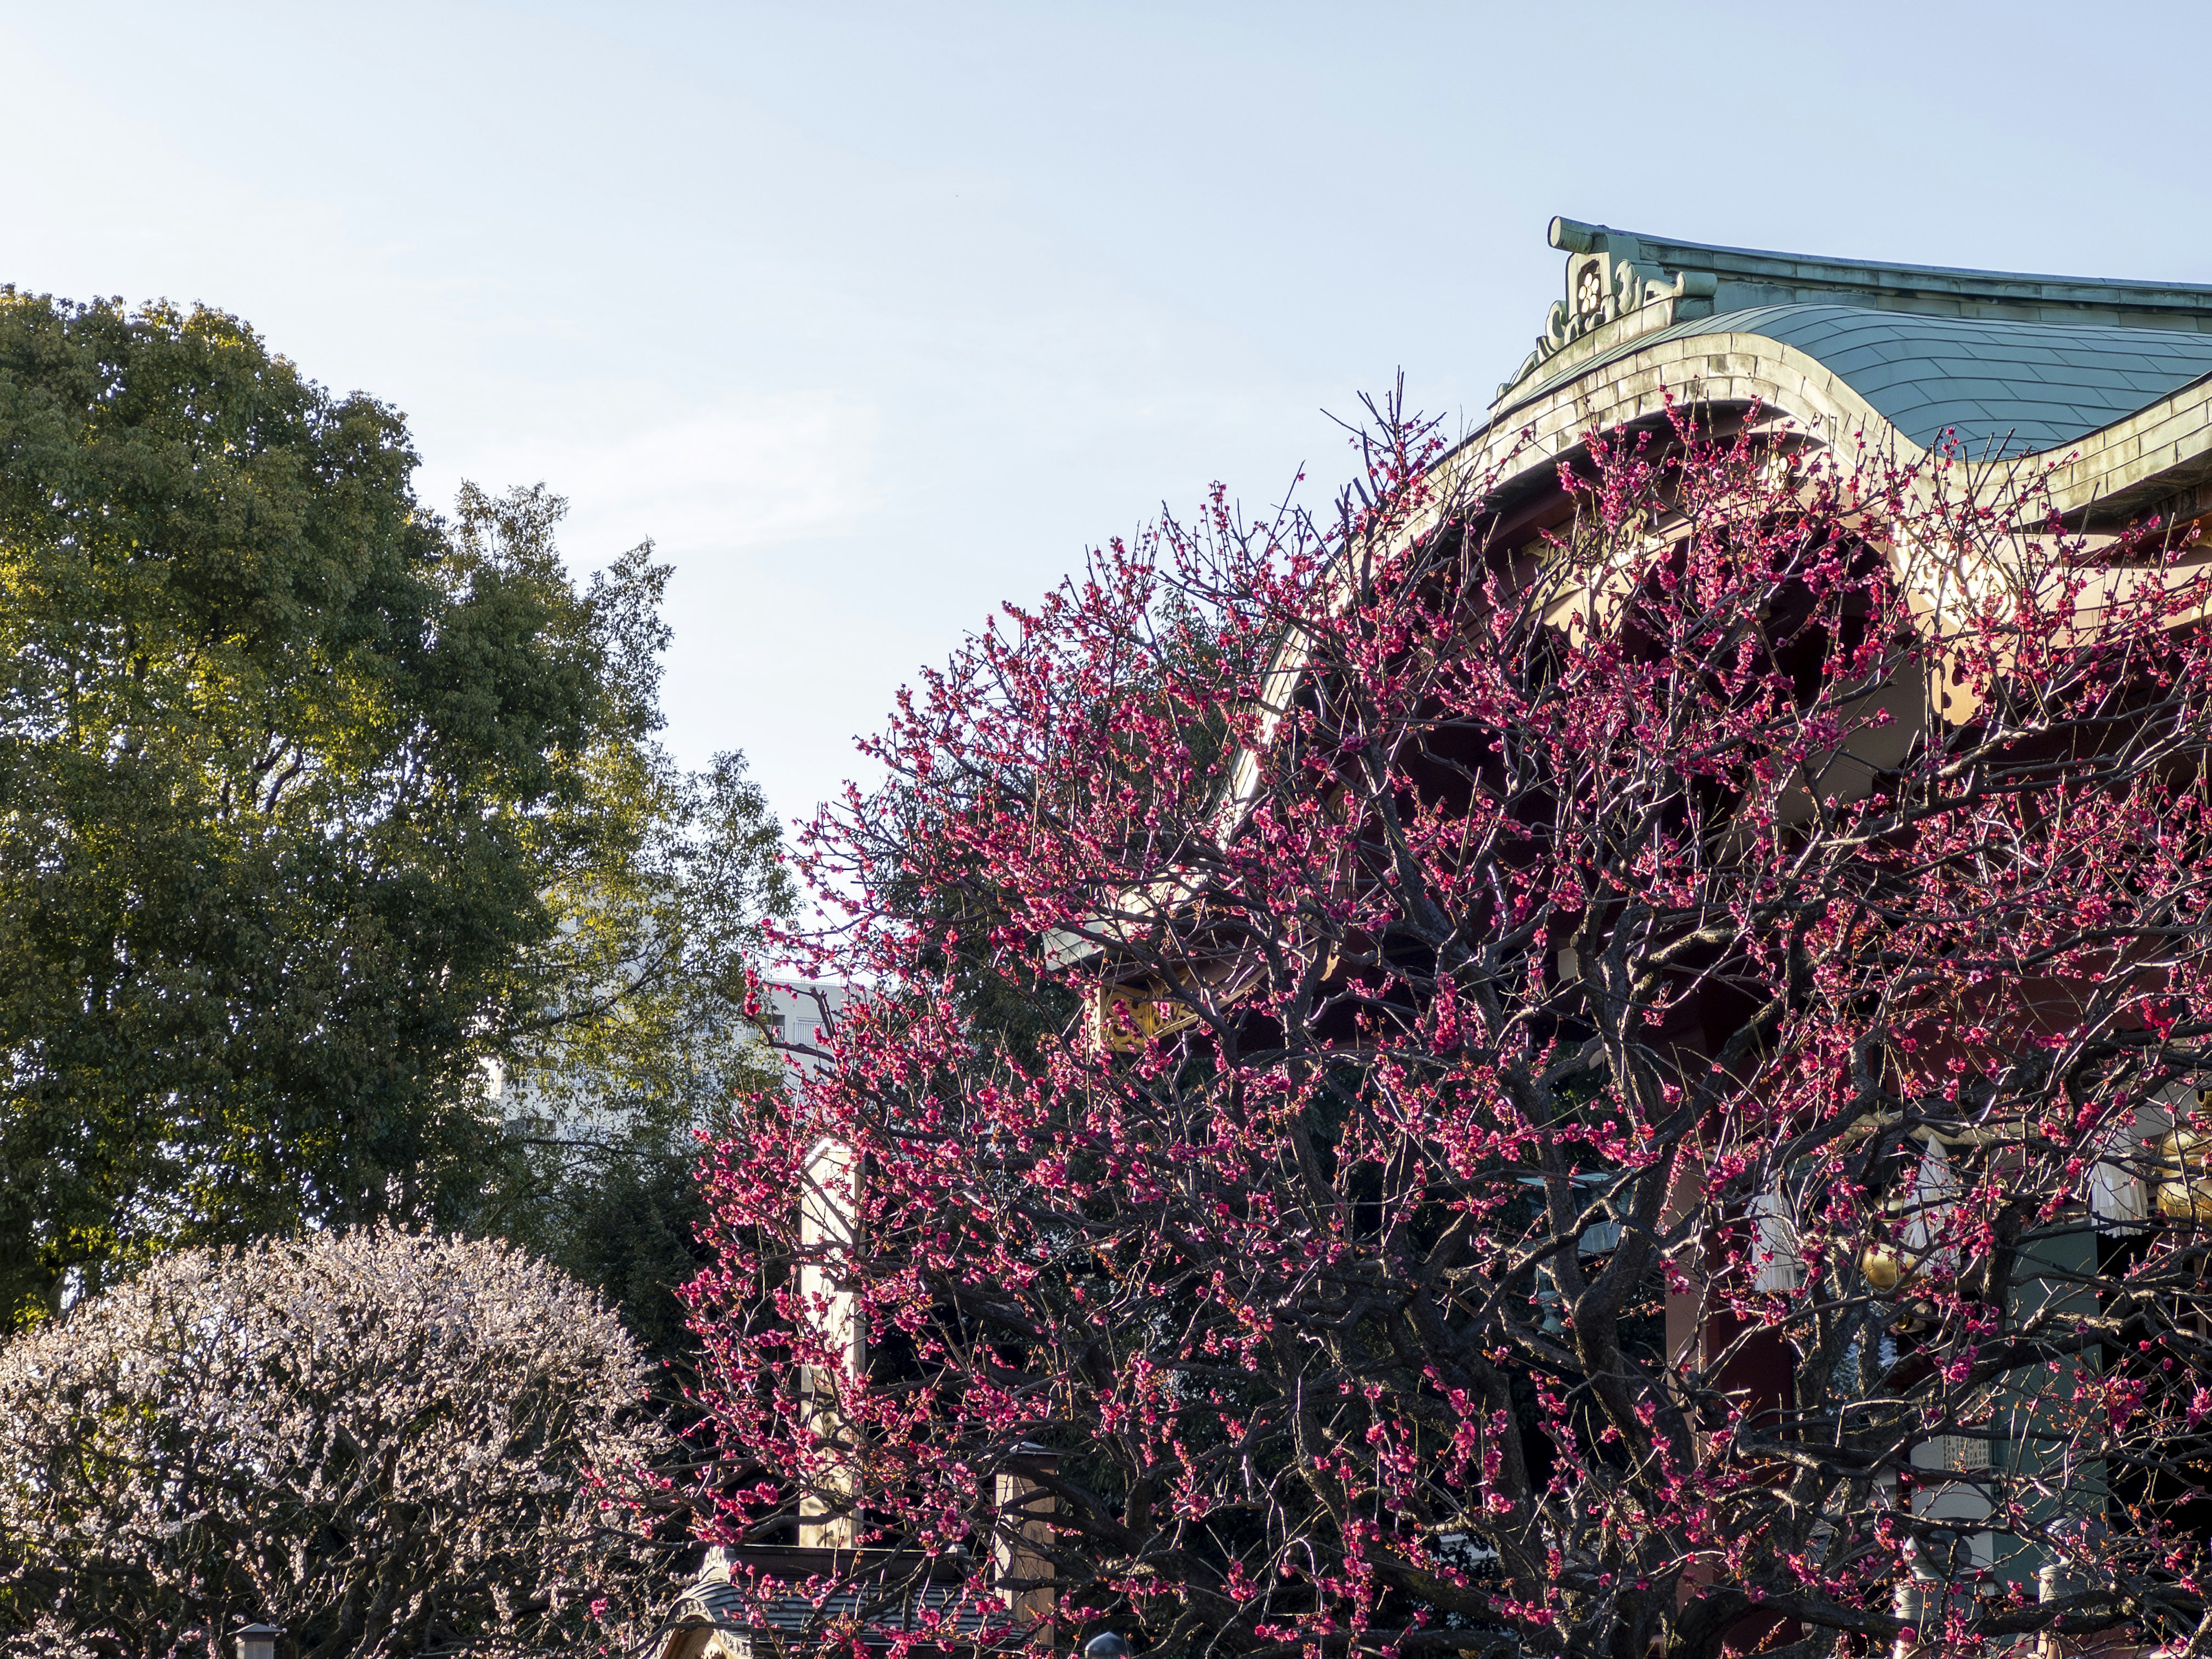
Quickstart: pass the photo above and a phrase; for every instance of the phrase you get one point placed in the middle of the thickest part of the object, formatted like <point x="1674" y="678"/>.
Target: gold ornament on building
<point x="2184" y="1192"/>
<point x="1885" y="1266"/>
<point x="1891" y="1263"/>
<point x="1892" y="1270"/>
<point x="1123" y="1018"/>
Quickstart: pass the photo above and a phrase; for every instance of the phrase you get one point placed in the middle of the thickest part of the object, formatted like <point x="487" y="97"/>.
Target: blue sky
<point x="875" y="316"/>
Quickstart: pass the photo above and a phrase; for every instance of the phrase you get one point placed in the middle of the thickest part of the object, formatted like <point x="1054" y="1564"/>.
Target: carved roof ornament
<point x="1622" y="285"/>
<point x="1610" y="275"/>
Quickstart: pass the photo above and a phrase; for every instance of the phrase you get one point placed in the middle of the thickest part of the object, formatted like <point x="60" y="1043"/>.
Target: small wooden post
<point x="1021" y="1543"/>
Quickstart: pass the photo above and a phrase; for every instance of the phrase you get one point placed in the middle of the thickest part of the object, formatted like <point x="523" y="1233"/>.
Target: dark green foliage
<point x="631" y="1234"/>
<point x="311" y="805"/>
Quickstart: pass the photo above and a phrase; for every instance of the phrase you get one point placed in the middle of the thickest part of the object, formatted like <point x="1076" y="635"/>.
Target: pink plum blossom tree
<point x="1612" y="1069"/>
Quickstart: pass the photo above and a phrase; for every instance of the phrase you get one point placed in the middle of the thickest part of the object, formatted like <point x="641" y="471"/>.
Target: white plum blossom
<point x="385" y="1442"/>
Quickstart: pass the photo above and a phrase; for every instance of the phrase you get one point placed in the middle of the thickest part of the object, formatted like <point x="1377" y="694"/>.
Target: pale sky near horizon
<point x="874" y="316"/>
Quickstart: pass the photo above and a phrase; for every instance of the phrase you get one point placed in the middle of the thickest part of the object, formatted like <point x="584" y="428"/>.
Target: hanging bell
<point x="1885" y="1266"/>
<point x="2185" y="1194"/>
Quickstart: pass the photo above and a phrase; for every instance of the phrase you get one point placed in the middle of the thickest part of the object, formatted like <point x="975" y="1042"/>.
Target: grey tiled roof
<point x="2001" y="386"/>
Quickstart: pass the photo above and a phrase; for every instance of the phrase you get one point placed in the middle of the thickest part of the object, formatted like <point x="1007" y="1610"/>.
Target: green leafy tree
<point x="639" y="1038"/>
<point x="316" y="809"/>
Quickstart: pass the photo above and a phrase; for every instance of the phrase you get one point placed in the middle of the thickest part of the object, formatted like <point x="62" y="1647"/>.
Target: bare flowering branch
<point x="1609" y="1072"/>
<point x="386" y="1443"/>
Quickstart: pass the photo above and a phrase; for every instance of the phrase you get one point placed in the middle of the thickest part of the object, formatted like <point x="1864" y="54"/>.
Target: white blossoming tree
<point x="386" y="1443"/>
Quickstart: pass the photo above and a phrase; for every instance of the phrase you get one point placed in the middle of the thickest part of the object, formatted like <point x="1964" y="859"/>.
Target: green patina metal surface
<point x="1998" y="387"/>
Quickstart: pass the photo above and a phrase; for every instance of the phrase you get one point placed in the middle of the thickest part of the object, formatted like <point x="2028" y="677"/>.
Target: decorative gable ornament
<point x="1604" y="284"/>
<point x="1600" y="289"/>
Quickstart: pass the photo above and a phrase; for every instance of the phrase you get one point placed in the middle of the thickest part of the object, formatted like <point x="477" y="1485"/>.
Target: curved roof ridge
<point x="1996" y="385"/>
<point x="1742" y="271"/>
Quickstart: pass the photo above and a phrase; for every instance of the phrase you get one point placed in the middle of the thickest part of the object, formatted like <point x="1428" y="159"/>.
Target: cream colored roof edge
<point x="1742" y="368"/>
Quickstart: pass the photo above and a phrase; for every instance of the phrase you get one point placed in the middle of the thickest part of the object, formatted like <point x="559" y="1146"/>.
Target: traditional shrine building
<point x="2104" y="387"/>
<point x="2105" y="379"/>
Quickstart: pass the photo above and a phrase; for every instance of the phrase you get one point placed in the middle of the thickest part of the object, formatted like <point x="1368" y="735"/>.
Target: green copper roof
<point x="1996" y="385"/>
<point x="1743" y="278"/>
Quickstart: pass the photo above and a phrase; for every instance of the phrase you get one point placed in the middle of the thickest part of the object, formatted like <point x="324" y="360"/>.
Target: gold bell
<point x="2185" y="1195"/>
<point x="1886" y="1264"/>
<point x="1884" y="1267"/>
